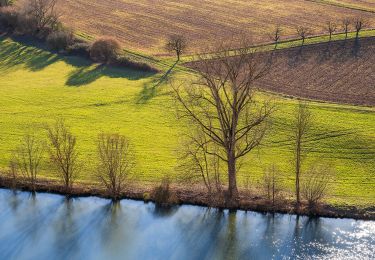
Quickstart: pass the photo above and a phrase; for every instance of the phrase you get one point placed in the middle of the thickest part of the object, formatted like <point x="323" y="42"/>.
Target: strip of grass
<point x="36" y="87"/>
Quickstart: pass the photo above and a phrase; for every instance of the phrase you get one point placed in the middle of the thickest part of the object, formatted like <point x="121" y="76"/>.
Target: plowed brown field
<point x="143" y="25"/>
<point x="342" y="72"/>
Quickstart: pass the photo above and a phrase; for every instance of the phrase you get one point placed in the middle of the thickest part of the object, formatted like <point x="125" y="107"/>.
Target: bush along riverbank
<point x="166" y="195"/>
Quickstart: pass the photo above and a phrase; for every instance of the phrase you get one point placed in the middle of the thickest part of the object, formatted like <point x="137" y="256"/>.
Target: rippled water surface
<point x="50" y="227"/>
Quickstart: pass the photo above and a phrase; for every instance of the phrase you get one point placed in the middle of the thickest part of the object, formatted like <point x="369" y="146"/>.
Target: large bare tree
<point x="301" y="126"/>
<point x="63" y="152"/>
<point x="303" y="32"/>
<point x="222" y="104"/>
<point x="359" y="24"/>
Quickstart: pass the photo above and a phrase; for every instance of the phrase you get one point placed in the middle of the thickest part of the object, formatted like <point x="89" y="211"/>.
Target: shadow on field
<point x="150" y="89"/>
<point x="33" y="55"/>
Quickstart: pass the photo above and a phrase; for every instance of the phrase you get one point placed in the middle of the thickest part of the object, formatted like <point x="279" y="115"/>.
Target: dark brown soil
<point x="340" y="72"/>
<point x="197" y="196"/>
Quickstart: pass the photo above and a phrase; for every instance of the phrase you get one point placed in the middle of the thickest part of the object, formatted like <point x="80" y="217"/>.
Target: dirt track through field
<point x="342" y="72"/>
<point x="144" y="25"/>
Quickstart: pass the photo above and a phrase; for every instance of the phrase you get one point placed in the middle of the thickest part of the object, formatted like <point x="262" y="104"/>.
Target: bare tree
<point x="271" y="183"/>
<point x="315" y="184"/>
<point x="275" y="37"/>
<point x="177" y="44"/>
<point x="28" y="157"/>
<point x="346" y="22"/>
<point x="43" y="13"/>
<point x="197" y="162"/>
<point x="116" y="161"/>
<point x="13" y="172"/>
<point x="222" y="104"/>
<point x="331" y="28"/>
<point x="63" y="152"/>
<point x="301" y="126"/>
<point x="359" y="24"/>
<point x="303" y="32"/>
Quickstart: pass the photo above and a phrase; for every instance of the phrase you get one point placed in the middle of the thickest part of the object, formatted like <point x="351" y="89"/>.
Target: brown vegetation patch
<point x="146" y="24"/>
<point x="341" y="72"/>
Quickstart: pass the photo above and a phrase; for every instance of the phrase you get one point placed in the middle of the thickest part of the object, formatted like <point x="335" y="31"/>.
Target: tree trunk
<point x="298" y="170"/>
<point x="232" y="189"/>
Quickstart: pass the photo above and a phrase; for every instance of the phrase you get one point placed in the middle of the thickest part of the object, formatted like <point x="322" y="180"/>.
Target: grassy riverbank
<point x="37" y="86"/>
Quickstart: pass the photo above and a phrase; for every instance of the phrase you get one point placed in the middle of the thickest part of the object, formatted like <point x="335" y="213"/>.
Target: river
<point x="46" y="226"/>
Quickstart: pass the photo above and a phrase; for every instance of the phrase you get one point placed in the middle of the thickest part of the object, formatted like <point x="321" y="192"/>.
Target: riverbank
<point x="196" y="196"/>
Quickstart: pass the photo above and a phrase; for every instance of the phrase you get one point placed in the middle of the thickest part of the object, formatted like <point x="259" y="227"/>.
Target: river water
<point x="48" y="226"/>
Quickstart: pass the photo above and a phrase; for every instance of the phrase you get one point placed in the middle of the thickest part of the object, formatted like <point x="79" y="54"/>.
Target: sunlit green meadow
<point x="36" y="87"/>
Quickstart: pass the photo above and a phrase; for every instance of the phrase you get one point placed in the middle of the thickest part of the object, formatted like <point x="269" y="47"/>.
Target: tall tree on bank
<point x="221" y="103"/>
<point x="301" y="127"/>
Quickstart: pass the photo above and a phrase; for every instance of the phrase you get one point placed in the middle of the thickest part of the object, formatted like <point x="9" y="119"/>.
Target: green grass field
<point x="36" y="87"/>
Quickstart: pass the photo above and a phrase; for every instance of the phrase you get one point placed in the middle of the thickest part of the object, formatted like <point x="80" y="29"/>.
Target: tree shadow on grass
<point x="87" y="74"/>
<point x="150" y="89"/>
<point x="33" y="55"/>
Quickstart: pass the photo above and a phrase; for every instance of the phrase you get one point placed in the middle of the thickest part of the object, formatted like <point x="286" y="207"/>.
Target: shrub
<point x="26" y="24"/>
<point x="105" y="50"/>
<point x="163" y="195"/>
<point x="60" y="40"/>
<point x="8" y="18"/>
<point x="125" y="62"/>
<point x="80" y="49"/>
<point x="315" y="183"/>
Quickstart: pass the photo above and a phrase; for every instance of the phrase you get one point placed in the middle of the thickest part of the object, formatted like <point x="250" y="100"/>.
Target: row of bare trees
<point x="331" y="27"/>
<point x="115" y="159"/>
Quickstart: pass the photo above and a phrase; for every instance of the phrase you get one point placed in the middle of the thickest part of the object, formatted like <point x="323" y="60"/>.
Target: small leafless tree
<point x="63" y="152"/>
<point x="301" y="126"/>
<point x="198" y="162"/>
<point x="315" y="184"/>
<point x="43" y="13"/>
<point x="346" y="22"/>
<point x="116" y="161"/>
<point x="303" y="32"/>
<point x="222" y="104"/>
<point x="271" y="183"/>
<point x="331" y="28"/>
<point x="28" y="157"/>
<point x="275" y="37"/>
<point x="177" y="44"/>
<point x="13" y="172"/>
<point x="359" y="24"/>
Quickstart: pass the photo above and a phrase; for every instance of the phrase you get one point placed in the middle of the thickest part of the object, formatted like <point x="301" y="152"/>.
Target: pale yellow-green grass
<point x="37" y="87"/>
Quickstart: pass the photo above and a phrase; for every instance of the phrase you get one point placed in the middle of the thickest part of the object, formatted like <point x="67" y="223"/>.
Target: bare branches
<point x="43" y="13"/>
<point x="272" y="183"/>
<point x="176" y="43"/>
<point x="116" y="161"/>
<point x="276" y="35"/>
<point x="28" y="157"/>
<point x="315" y="184"/>
<point x="345" y="23"/>
<point x="359" y="24"/>
<point x="302" y="124"/>
<point x="303" y="32"/>
<point x="223" y="106"/>
<point x="63" y="152"/>
<point x="331" y="27"/>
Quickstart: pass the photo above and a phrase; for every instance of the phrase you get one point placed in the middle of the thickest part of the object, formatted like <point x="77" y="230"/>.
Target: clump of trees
<point x="115" y="162"/>
<point x="5" y="3"/>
